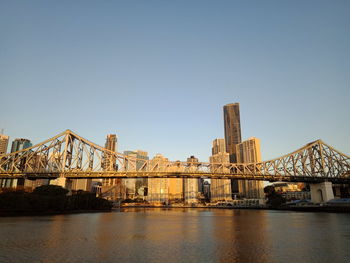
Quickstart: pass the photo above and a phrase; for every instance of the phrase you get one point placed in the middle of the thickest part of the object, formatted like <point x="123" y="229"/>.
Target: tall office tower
<point x="4" y="140"/>
<point x="191" y="184"/>
<point x="158" y="188"/>
<point x="249" y="152"/>
<point x="232" y="129"/>
<point x="232" y="124"/>
<point x="112" y="187"/>
<point x="130" y="165"/>
<point x="220" y="189"/>
<point x="18" y="145"/>
<point x="141" y="187"/>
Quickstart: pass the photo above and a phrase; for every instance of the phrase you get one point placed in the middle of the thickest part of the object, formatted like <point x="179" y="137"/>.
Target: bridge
<point x="70" y="156"/>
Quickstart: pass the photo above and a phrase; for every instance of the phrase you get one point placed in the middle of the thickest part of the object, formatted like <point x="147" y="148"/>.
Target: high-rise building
<point x="191" y="184"/>
<point x="135" y="187"/>
<point x="233" y="137"/>
<point x="112" y="188"/>
<point x="249" y="152"/>
<point x="220" y="189"/>
<point x="141" y="187"/>
<point x="232" y="124"/>
<point x="176" y="185"/>
<point x="4" y="140"/>
<point x="158" y="188"/>
<point x="18" y="145"/>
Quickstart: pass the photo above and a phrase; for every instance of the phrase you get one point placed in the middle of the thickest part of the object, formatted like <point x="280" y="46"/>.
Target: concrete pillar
<point x="321" y="192"/>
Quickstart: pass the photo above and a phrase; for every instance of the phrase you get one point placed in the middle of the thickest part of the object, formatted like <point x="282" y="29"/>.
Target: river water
<point x="177" y="235"/>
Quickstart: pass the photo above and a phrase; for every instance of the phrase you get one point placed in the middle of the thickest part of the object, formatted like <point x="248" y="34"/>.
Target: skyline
<point x="158" y="74"/>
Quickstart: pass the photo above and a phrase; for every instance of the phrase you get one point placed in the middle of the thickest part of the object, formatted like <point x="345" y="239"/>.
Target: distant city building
<point x="249" y="152"/>
<point x="158" y="188"/>
<point x="20" y="144"/>
<point x="111" y="188"/>
<point x="232" y="123"/>
<point x="4" y="140"/>
<point x="191" y="184"/>
<point x="206" y="190"/>
<point x="220" y="189"/>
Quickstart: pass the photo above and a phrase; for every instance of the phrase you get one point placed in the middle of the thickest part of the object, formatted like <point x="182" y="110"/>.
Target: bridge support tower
<point x="321" y="192"/>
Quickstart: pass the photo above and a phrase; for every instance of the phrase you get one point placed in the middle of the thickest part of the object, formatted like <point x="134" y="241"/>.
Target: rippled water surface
<point x="177" y="235"/>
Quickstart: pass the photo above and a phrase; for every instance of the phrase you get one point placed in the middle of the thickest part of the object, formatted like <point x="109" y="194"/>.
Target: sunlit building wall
<point x="176" y="194"/>
<point x="191" y="184"/>
<point x="220" y="189"/>
<point x="249" y="152"/>
<point x="158" y="188"/>
<point x="4" y="140"/>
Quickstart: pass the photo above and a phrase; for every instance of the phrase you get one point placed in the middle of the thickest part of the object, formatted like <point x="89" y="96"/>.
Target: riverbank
<point x="48" y="213"/>
<point x="311" y="208"/>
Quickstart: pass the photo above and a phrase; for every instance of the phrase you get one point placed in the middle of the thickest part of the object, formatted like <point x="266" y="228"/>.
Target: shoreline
<point x="326" y="209"/>
<point x="48" y="213"/>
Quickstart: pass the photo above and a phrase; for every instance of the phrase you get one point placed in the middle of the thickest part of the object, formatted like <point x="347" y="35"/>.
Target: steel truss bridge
<point x="68" y="155"/>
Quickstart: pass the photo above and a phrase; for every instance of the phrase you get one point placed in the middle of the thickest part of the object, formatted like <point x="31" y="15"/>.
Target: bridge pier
<point x="321" y="192"/>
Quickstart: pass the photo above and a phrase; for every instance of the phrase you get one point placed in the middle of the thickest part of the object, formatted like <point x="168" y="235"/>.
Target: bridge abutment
<point x="321" y="192"/>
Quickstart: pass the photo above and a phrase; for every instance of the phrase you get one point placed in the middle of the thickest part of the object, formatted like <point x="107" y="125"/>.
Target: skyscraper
<point x="220" y="189"/>
<point x="233" y="137"/>
<point x="4" y="140"/>
<point x="191" y="184"/>
<point x="18" y="145"/>
<point x="249" y="152"/>
<point x="112" y="186"/>
<point x="158" y="188"/>
<point x="232" y="124"/>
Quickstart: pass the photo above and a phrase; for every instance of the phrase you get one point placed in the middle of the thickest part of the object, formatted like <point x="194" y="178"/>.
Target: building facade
<point x="190" y="185"/>
<point x="232" y="124"/>
<point x="111" y="188"/>
<point x="220" y="189"/>
<point x="158" y="188"/>
<point x="4" y="140"/>
<point x="249" y="152"/>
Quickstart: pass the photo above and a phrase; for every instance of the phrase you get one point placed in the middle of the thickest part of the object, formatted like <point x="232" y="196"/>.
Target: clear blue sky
<point x="157" y="73"/>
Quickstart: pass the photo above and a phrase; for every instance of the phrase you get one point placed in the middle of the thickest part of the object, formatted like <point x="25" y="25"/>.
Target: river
<point x="177" y="235"/>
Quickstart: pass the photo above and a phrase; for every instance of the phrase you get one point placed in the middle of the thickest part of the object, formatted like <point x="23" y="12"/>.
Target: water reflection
<point x="177" y="235"/>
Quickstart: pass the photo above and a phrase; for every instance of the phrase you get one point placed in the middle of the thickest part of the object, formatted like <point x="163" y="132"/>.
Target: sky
<point x="158" y="73"/>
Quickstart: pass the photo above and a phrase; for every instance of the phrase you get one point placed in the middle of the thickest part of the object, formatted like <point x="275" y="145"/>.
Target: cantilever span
<point x="71" y="156"/>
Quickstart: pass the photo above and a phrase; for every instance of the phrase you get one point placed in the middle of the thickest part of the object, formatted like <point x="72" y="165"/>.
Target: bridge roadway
<point x="204" y="175"/>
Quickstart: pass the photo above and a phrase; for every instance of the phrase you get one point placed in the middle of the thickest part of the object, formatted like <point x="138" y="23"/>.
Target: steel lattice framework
<point x="71" y="156"/>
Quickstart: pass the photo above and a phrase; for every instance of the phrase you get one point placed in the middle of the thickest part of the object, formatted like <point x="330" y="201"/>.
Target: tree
<point x="50" y="190"/>
<point x="274" y="199"/>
